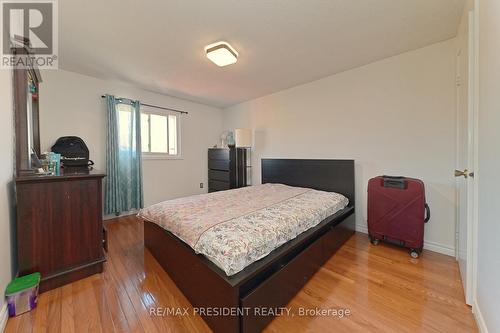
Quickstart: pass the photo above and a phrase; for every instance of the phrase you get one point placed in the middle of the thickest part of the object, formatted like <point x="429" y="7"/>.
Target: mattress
<point x="238" y="227"/>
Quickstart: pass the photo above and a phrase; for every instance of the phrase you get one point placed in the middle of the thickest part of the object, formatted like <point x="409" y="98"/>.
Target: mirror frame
<point x="23" y="145"/>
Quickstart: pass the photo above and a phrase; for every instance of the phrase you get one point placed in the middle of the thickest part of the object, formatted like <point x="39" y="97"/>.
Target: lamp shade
<point x="243" y="137"/>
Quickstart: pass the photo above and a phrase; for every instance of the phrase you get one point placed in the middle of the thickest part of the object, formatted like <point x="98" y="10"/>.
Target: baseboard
<point x="481" y="324"/>
<point x="4" y="316"/>
<point x="439" y="248"/>
<point x="431" y="246"/>
<point x="362" y="228"/>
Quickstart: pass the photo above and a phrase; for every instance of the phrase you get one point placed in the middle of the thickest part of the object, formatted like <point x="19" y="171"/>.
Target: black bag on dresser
<point x="73" y="150"/>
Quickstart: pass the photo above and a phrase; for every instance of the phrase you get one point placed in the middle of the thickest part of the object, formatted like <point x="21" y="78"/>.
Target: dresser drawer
<point x="218" y="154"/>
<point x="218" y="165"/>
<point x="215" y="185"/>
<point x="218" y="175"/>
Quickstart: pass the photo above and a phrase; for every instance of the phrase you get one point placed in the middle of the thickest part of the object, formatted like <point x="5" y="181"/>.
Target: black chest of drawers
<point x="226" y="168"/>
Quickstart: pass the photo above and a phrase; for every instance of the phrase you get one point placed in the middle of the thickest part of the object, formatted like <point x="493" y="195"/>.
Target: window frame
<point x="162" y="156"/>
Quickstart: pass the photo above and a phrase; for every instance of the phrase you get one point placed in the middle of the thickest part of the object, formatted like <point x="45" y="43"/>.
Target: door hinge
<point x="458" y="81"/>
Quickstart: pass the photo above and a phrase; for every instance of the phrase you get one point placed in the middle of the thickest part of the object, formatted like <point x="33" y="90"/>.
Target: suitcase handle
<point x="427" y="213"/>
<point x="394" y="182"/>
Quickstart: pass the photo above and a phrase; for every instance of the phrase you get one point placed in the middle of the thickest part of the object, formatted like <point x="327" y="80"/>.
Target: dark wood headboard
<point x="326" y="175"/>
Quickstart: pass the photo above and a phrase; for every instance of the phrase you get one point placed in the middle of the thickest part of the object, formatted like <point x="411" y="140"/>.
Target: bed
<point x="231" y="297"/>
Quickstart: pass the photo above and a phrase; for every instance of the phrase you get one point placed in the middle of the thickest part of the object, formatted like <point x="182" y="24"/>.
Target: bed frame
<point x="272" y="281"/>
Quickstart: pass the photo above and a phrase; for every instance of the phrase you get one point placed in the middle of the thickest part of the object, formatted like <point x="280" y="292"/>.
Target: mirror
<point x="32" y="120"/>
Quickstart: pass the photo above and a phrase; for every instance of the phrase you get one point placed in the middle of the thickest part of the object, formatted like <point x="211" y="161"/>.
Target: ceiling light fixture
<point x="221" y="54"/>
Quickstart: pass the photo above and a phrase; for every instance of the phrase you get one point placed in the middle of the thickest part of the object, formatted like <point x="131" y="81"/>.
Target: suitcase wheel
<point x="374" y="240"/>
<point x="414" y="253"/>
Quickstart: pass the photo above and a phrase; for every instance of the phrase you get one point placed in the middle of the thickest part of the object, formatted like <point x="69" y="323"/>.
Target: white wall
<point x="71" y="104"/>
<point x="395" y="116"/>
<point x="488" y="269"/>
<point x="6" y="186"/>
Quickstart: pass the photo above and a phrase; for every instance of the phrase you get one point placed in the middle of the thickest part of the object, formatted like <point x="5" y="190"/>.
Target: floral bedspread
<point x="238" y="227"/>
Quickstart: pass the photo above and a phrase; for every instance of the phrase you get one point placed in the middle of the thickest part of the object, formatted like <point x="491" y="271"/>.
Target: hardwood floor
<point x="383" y="288"/>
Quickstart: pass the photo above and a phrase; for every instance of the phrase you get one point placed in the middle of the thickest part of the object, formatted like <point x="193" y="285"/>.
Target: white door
<point x="465" y="158"/>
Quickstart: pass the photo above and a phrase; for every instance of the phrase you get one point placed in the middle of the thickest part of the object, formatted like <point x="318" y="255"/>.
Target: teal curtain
<point x="123" y="191"/>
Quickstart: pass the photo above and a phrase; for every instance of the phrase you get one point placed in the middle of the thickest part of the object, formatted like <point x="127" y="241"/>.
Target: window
<point x="125" y="138"/>
<point x="159" y="133"/>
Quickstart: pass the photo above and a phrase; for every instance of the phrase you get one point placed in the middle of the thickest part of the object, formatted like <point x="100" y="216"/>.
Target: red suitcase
<point x="397" y="212"/>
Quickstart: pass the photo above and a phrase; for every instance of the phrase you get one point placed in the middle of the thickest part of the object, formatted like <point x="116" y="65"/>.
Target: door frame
<point x="472" y="195"/>
<point x="474" y="61"/>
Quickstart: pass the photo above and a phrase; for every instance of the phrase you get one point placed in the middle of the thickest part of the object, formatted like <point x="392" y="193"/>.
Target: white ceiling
<point x="158" y="45"/>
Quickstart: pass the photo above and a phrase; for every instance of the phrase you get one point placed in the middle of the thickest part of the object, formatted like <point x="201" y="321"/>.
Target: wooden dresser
<point x="226" y="168"/>
<point x="59" y="226"/>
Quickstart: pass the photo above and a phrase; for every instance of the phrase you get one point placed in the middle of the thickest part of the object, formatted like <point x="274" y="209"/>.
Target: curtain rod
<point x="156" y="106"/>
